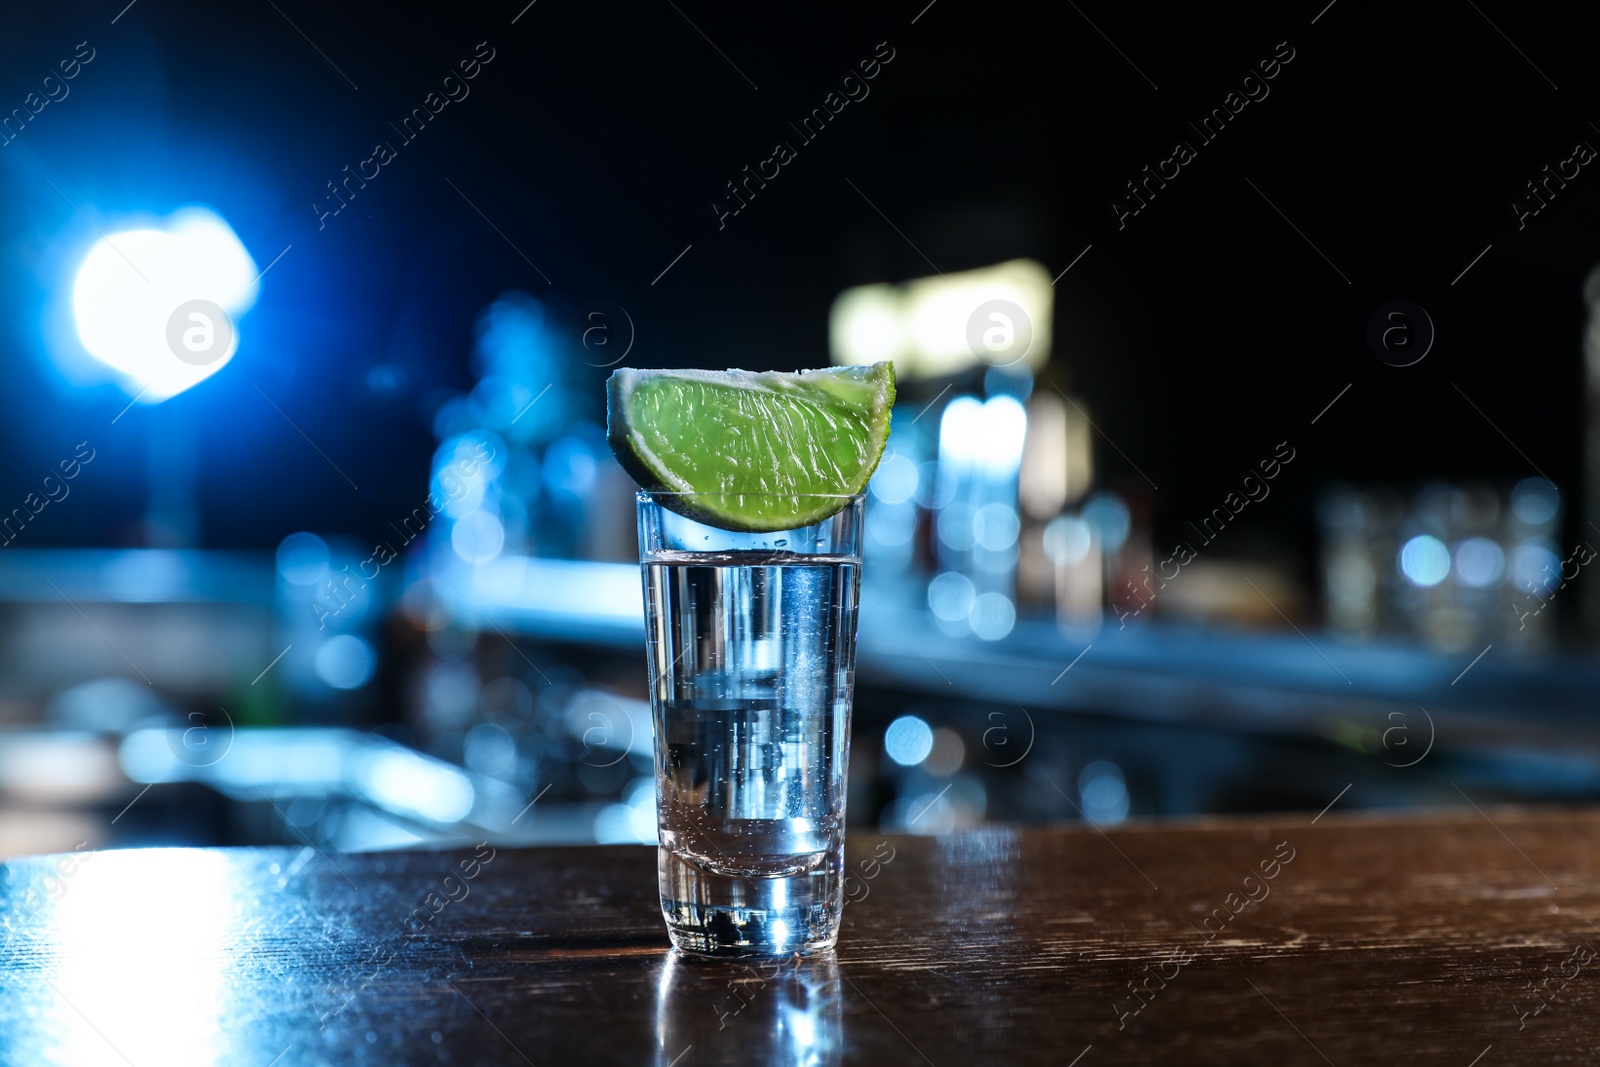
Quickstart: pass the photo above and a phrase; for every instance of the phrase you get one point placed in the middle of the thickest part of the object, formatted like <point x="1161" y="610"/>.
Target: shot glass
<point x="751" y="640"/>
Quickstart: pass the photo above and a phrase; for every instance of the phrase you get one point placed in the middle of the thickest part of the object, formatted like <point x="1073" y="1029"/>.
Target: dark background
<point x="1200" y="335"/>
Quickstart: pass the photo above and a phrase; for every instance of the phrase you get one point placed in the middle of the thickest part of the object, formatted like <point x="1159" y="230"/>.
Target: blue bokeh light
<point x="1535" y="501"/>
<point x="1107" y="513"/>
<point x="303" y="559"/>
<point x="908" y="740"/>
<point x="345" y="662"/>
<point x="1480" y="562"/>
<point x="1535" y="566"/>
<point x="1104" y="792"/>
<point x="1425" y="561"/>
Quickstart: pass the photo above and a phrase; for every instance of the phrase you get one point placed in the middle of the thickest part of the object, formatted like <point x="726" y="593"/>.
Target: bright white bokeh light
<point x="864" y="325"/>
<point x="908" y="740"/>
<point x="1425" y="561"/>
<point x="414" y="784"/>
<point x="132" y="282"/>
<point x="982" y="438"/>
<point x="1002" y="427"/>
<point x="1480" y="562"/>
<point x="959" y="429"/>
<point x="925" y="325"/>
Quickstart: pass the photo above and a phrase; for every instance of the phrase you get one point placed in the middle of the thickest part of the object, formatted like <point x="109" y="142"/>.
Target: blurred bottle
<point x="1075" y="550"/>
<point x="1056" y="470"/>
<point x="1358" y="546"/>
<point x="549" y="486"/>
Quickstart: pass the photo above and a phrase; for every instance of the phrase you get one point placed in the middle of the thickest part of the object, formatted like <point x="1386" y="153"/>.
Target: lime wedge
<point x="756" y="451"/>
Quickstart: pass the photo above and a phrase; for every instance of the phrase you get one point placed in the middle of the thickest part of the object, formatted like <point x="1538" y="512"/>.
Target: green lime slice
<point x="758" y="452"/>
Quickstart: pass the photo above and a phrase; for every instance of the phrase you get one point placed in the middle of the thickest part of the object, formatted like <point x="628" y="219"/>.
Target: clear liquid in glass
<point x="752" y="656"/>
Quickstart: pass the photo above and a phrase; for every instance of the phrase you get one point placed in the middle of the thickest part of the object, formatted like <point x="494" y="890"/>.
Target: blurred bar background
<point x="1152" y="537"/>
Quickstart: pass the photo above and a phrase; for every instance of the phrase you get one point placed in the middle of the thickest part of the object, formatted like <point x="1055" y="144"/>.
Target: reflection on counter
<point x="787" y="1012"/>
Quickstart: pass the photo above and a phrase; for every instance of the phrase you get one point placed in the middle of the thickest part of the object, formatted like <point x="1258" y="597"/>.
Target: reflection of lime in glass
<point x="758" y="452"/>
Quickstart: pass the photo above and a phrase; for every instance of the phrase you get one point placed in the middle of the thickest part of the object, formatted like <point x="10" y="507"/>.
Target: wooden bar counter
<point x="1459" y="939"/>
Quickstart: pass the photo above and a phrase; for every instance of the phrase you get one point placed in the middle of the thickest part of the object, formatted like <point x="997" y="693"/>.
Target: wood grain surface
<point x="1455" y="940"/>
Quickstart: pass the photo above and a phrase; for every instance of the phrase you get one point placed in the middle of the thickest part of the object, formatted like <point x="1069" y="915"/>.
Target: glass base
<point x="712" y="914"/>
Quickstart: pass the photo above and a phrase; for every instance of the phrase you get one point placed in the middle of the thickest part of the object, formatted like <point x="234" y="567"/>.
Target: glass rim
<point x="650" y="494"/>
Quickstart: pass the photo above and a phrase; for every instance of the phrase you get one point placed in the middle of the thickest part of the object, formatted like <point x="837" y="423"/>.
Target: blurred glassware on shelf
<point x="522" y="466"/>
<point x="1096" y="553"/>
<point x="1455" y="566"/>
<point x="971" y="505"/>
<point x="972" y="502"/>
<point x="330" y="601"/>
<point x="980" y="453"/>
